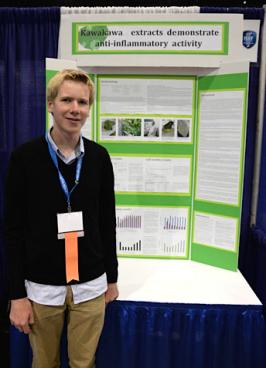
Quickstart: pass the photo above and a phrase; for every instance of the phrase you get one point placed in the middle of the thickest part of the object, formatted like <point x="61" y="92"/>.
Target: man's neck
<point x="65" y="142"/>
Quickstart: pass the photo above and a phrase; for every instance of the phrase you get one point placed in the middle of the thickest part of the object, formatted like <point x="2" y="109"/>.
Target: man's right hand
<point x="21" y="314"/>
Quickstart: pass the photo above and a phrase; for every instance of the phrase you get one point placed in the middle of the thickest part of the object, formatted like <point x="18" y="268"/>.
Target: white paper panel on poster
<point x="60" y="64"/>
<point x="228" y="67"/>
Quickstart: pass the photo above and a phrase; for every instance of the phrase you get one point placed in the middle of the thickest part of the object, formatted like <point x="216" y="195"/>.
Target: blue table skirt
<point x="162" y="335"/>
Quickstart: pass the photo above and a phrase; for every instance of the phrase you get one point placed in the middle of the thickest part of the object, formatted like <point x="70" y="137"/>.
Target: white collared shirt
<point x="79" y="150"/>
<point x="56" y="295"/>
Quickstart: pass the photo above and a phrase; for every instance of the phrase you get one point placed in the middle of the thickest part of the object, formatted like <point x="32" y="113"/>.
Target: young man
<point x="54" y="185"/>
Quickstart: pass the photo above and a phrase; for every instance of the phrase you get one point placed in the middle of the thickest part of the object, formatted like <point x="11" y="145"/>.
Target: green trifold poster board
<point x="177" y="146"/>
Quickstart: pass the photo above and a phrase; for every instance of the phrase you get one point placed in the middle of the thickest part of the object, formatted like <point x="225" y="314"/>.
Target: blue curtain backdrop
<point x="27" y="37"/>
<point x="161" y="335"/>
<point x="261" y="220"/>
<point x="257" y="243"/>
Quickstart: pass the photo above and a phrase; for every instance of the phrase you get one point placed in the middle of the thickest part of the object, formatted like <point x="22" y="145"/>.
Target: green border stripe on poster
<point x="152" y="200"/>
<point x="92" y="111"/>
<point x="151" y="148"/>
<point x="217" y="208"/>
<point x="224" y="81"/>
<point x="214" y="257"/>
<point x="48" y="75"/>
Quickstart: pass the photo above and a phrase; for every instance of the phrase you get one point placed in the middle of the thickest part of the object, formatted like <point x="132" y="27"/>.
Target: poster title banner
<point x="210" y="38"/>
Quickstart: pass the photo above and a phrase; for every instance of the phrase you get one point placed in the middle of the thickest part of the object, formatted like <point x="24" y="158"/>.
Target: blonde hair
<point x="75" y="75"/>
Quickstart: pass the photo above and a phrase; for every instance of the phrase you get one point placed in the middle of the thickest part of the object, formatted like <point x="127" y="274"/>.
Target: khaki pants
<point x="84" y="326"/>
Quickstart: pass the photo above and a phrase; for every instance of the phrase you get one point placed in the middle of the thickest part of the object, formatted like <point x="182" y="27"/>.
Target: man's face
<point x="71" y="107"/>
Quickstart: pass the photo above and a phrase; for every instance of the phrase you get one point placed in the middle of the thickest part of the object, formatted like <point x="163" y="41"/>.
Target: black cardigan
<point x="33" y="199"/>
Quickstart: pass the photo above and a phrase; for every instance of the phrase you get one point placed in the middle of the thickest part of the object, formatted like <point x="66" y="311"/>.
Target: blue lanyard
<point x="61" y="178"/>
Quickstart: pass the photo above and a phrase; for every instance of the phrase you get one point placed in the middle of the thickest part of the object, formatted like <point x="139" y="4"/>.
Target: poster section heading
<point x="152" y="231"/>
<point x="146" y="110"/>
<point x="150" y="37"/>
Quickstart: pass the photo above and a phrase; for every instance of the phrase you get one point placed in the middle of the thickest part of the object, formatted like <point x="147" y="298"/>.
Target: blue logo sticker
<point x="249" y="39"/>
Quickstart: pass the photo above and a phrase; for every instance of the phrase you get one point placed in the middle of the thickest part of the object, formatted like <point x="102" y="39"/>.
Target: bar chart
<point x="129" y="221"/>
<point x="135" y="247"/>
<point x="177" y="248"/>
<point x="175" y="223"/>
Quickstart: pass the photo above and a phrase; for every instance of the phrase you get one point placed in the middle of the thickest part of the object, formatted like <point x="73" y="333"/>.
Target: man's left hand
<point x="111" y="293"/>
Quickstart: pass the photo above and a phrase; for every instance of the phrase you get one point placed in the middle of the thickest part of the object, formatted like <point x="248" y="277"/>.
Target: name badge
<point x="70" y="222"/>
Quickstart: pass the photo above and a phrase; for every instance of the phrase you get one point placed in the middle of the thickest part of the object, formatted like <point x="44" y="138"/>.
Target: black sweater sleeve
<point x="108" y="219"/>
<point x="14" y="227"/>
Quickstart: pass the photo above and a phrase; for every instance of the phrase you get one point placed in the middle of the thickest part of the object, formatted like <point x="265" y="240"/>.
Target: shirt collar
<point x="79" y="150"/>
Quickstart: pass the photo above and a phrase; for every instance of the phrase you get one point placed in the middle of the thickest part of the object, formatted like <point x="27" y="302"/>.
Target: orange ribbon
<point x="71" y="254"/>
